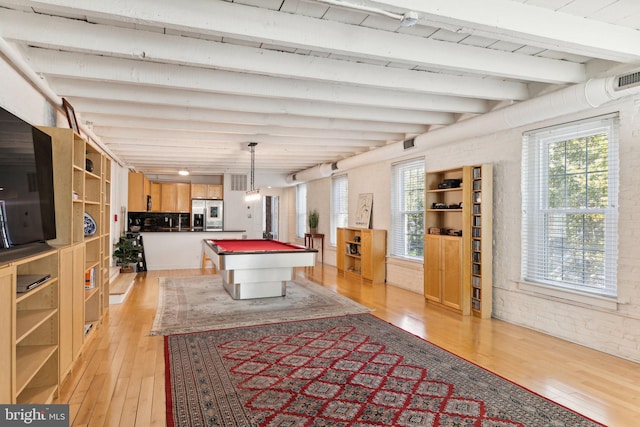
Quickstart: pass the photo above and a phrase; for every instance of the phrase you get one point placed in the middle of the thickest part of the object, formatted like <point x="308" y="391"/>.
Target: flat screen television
<point x="27" y="205"/>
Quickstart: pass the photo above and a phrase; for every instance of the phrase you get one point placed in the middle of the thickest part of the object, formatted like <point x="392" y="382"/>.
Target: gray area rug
<point x="200" y="303"/>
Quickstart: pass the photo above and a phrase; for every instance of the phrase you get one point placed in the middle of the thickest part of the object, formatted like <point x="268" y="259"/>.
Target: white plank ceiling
<point x="167" y="85"/>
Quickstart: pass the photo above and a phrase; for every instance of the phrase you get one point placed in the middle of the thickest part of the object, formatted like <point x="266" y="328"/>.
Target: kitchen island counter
<point x="175" y="249"/>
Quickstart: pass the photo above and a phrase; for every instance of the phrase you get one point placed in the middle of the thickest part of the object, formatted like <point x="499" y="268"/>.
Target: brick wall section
<point x="612" y="331"/>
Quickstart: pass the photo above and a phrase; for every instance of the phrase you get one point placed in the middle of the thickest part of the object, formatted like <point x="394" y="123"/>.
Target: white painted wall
<point x="612" y="331"/>
<point x="21" y="99"/>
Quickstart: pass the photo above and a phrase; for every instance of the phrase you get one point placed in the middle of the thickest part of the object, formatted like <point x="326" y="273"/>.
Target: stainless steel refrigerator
<point x="208" y="214"/>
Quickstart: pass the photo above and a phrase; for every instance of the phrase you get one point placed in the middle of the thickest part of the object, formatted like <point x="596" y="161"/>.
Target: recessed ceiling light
<point x="183" y="173"/>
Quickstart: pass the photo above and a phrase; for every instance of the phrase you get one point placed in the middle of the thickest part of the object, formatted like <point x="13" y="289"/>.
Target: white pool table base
<point x="259" y="283"/>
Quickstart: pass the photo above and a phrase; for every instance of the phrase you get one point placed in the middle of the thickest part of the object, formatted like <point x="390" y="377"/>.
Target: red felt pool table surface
<point x="254" y="245"/>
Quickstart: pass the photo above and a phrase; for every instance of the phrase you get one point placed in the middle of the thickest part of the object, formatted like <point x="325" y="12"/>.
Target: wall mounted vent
<point x="238" y="182"/>
<point x="409" y="143"/>
<point x="626" y="81"/>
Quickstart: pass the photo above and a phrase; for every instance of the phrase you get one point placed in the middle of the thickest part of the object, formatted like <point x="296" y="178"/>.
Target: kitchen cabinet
<point x="206" y="191"/>
<point x="175" y="197"/>
<point x="139" y="188"/>
<point x="168" y="196"/>
<point x="183" y="197"/>
<point x="156" y="197"/>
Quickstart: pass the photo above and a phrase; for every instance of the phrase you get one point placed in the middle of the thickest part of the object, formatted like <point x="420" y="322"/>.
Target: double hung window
<point x="301" y="210"/>
<point x="569" y="206"/>
<point x="407" y="209"/>
<point x="339" y="204"/>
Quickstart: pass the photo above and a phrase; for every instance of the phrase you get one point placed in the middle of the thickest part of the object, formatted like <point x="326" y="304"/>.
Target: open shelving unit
<point x="458" y="233"/>
<point x="30" y="336"/>
<point x="82" y="185"/>
<point x="361" y="254"/>
<point x="481" y="240"/>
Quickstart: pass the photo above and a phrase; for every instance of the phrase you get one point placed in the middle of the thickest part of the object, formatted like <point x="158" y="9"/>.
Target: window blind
<point x="569" y="206"/>
<point x="301" y="210"/>
<point x="407" y="209"/>
<point x="339" y="205"/>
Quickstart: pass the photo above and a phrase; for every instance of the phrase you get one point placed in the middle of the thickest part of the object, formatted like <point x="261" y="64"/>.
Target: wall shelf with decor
<point x="361" y="254"/>
<point x="457" y="258"/>
<point x="82" y="187"/>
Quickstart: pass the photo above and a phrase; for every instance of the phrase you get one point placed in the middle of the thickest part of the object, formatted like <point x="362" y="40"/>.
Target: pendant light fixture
<point x="253" y="194"/>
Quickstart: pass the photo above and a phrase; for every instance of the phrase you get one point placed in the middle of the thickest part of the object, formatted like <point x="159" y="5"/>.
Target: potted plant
<point x="127" y="253"/>
<point x="314" y="217"/>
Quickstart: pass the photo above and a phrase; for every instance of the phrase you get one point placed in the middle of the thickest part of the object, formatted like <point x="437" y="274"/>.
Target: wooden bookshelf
<point x="361" y="254"/>
<point x="458" y="252"/>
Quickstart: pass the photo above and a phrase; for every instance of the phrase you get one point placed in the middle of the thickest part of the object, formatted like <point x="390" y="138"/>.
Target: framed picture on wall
<point x="363" y="214"/>
<point x="71" y="115"/>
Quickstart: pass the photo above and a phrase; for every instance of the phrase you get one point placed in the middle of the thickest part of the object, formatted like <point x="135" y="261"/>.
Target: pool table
<point x="256" y="268"/>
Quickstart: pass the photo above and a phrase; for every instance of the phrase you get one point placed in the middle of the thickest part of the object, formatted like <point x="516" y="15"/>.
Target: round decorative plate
<point x="90" y="226"/>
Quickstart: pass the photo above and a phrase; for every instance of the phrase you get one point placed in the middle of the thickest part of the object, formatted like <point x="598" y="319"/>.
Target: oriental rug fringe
<point x="354" y="370"/>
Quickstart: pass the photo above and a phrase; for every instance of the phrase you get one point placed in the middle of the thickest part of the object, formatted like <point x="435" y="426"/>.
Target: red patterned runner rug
<point x="352" y="370"/>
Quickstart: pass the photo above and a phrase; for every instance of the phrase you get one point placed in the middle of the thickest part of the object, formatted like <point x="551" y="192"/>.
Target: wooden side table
<point x="310" y="237"/>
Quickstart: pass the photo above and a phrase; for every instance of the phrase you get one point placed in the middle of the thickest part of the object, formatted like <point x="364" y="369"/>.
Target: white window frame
<point x="540" y="221"/>
<point x="400" y="211"/>
<point x="301" y="210"/>
<point x="339" y="205"/>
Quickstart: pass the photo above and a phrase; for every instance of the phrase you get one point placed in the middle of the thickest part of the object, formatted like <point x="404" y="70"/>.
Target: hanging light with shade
<point x="253" y="194"/>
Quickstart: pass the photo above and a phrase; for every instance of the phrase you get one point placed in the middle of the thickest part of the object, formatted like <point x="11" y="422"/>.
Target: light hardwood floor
<point x="119" y="378"/>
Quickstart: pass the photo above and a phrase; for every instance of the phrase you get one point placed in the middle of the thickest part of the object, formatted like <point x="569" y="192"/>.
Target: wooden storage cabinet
<point x="361" y="253"/>
<point x="481" y="240"/>
<point x="105" y="234"/>
<point x="7" y="344"/>
<point x="168" y="196"/>
<point x="82" y="184"/>
<point x="175" y="197"/>
<point x="457" y="260"/>
<point x="443" y="270"/>
<point x="156" y="197"/>
<point x="35" y="327"/>
<point x="72" y="268"/>
<point x="183" y="202"/>
<point x="139" y="188"/>
<point x="206" y="191"/>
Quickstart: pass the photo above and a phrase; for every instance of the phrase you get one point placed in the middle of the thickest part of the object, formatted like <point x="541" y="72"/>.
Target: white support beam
<point x="521" y="23"/>
<point x="159" y="96"/>
<point x="78" y="36"/>
<point x="100" y="68"/>
<point x="125" y="135"/>
<point x="94" y="109"/>
<point x="220" y="18"/>
<point x="168" y="125"/>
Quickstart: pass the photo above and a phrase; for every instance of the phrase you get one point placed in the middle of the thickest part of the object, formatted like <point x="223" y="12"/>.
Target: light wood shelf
<point x="28" y="320"/>
<point x="458" y="253"/>
<point x="361" y="253"/>
<point x="29" y="361"/>
<point x="29" y="341"/>
<point x="82" y="184"/>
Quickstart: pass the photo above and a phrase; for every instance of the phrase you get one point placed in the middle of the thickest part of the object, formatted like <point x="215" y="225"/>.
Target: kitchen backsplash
<point x="155" y="221"/>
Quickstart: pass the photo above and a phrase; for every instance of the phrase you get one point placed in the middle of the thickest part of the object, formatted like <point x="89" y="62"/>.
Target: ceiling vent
<point x="238" y="182"/>
<point x="626" y="81"/>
